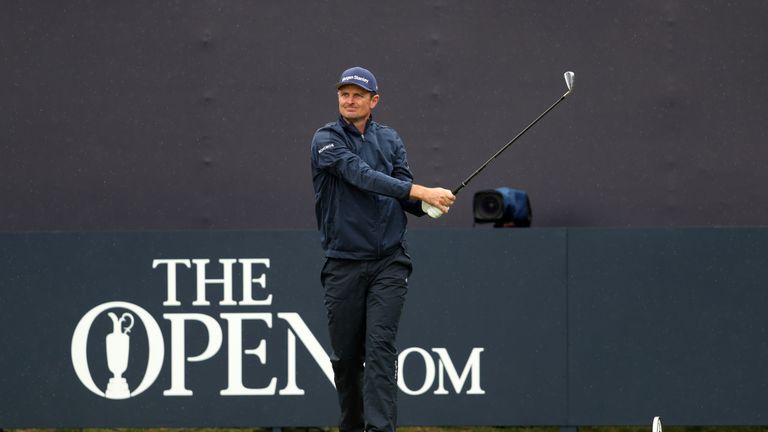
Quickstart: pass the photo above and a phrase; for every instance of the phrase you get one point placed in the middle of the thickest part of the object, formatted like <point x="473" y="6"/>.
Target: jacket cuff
<point x="407" y="190"/>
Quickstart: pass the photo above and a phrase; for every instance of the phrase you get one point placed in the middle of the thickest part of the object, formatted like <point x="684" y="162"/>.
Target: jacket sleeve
<point x="402" y="171"/>
<point x="413" y="207"/>
<point x="330" y="153"/>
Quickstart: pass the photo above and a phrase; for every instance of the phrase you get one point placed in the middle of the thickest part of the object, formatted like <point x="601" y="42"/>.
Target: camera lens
<point x="490" y="205"/>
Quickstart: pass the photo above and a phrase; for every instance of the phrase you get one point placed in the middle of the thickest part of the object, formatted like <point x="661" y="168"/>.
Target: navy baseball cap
<point x="360" y="77"/>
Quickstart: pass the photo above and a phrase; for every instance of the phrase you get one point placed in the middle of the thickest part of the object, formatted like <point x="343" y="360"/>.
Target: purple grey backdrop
<point x="198" y="114"/>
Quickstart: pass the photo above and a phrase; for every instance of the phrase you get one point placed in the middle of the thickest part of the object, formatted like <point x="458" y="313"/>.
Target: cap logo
<point x="354" y="77"/>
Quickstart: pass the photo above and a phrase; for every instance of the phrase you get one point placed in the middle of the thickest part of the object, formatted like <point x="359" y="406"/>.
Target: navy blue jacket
<point x="362" y="184"/>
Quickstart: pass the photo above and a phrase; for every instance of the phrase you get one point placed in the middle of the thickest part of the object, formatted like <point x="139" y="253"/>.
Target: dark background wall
<point x="198" y="114"/>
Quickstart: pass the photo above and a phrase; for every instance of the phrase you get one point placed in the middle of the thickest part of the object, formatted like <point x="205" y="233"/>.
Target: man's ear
<point x="374" y="100"/>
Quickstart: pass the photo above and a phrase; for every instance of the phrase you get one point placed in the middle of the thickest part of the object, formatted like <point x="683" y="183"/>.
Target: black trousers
<point x="364" y="301"/>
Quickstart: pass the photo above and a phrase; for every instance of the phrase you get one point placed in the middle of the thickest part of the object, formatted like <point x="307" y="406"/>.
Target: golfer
<point x="363" y="186"/>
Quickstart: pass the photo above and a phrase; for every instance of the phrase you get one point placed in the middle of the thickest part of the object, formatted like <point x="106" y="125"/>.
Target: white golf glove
<point x="431" y="210"/>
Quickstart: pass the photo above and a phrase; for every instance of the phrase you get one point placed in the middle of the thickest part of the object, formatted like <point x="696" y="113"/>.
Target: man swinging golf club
<point x="363" y="185"/>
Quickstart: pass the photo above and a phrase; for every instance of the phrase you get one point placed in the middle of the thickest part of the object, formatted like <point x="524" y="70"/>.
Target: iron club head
<point x="569" y="76"/>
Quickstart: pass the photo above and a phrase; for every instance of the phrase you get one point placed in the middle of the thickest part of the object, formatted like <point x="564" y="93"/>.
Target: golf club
<point x="434" y="212"/>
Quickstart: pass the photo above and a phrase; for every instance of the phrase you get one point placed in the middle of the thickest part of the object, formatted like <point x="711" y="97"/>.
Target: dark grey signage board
<point x="560" y="327"/>
<point x="668" y="322"/>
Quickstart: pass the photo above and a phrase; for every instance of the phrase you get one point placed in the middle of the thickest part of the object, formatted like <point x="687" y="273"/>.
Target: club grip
<point x="458" y="188"/>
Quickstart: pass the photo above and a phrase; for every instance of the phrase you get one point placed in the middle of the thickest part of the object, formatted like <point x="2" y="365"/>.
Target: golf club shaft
<point x="482" y="167"/>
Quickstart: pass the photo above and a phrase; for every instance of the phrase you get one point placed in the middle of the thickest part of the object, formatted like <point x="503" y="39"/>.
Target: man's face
<point x="355" y="103"/>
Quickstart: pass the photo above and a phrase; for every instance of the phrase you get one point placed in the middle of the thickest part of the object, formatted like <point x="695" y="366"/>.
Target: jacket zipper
<point x="380" y="225"/>
<point x="379" y="234"/>
<point x="379" y="231"/>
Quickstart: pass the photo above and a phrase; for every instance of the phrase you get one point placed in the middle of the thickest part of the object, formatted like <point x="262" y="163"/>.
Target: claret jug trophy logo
<point x="118" y="343"/>
<point x="118" y="350"/>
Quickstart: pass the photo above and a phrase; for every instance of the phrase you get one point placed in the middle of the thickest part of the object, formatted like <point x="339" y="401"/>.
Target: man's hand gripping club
<point x="434" y="201"/>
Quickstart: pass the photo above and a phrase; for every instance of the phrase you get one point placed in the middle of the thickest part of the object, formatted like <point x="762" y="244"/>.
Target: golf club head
<point x="569" y="77"/>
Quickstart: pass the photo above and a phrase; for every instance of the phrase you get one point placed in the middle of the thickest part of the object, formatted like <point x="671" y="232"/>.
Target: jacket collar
<point x="351" y="128"/>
